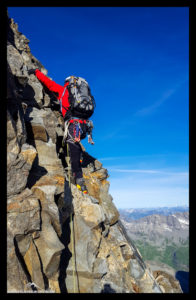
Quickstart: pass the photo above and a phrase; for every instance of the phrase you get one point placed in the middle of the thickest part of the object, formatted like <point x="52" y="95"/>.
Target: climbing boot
<point x="81" y="185"/>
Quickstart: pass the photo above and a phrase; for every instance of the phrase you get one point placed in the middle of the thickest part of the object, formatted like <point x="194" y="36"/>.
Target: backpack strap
<point x="61" y="105"/>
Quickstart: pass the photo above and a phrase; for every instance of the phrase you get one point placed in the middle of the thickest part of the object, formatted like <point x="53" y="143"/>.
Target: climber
<point x="77" y="125"/>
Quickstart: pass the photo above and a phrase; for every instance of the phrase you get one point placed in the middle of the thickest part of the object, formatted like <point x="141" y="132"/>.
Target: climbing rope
<point x="73" y="254"/>
<point x="72" y="229"/>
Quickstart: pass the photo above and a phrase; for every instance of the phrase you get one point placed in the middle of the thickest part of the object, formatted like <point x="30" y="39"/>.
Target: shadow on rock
<point x="108" y="289"/>
<point x="35" y="173"/>
<point x="23" y="265"/>
<point x="28" y="96"/>
<point x="88" y="159"/>
<point x="65" y="256"/>
<point x="66" y="215"/>
<point x="183" y="278"/>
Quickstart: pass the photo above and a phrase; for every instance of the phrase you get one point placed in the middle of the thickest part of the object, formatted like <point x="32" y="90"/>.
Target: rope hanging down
<point x="72" y="230"/>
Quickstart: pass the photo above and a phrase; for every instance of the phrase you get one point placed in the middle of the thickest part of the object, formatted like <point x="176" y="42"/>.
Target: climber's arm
<point x="89" y="132"/>
<point x="50" y="84"/>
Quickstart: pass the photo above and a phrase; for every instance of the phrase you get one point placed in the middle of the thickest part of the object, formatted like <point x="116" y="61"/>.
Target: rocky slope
<point x="47" y="250"/>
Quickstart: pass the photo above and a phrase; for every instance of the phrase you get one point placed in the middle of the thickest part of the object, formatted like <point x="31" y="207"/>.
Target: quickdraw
<point x="77" y="131"/>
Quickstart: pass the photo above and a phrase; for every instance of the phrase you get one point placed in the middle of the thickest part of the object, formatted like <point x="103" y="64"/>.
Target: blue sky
<point x="136" y="60"/>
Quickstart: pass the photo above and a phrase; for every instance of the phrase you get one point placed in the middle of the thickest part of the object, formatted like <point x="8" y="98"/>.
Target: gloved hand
<point x="90" y="140"/>
<point x="31" y="71"/>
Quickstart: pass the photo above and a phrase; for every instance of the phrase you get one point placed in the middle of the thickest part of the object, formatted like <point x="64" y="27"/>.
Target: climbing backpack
<point x="82" y="103"/>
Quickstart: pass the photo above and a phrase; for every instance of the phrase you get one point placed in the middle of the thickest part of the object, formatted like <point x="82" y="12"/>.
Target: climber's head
<point x="66" y="79"/>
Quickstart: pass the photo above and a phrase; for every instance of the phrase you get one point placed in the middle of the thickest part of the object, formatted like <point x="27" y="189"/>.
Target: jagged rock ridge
<point x="40" y="201"/>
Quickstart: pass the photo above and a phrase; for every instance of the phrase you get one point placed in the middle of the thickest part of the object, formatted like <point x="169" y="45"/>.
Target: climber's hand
<point x="90" y="140"/>
<point x="31" y="71"/>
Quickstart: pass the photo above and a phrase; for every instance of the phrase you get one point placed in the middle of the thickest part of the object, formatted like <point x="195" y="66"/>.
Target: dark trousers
<point x="75" y="151"/>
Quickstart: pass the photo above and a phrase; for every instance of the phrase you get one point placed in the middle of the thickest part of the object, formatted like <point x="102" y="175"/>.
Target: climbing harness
<point x="77" y="130"/>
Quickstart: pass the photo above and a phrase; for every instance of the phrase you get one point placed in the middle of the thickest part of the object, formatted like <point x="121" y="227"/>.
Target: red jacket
<point x="57" y="88"/>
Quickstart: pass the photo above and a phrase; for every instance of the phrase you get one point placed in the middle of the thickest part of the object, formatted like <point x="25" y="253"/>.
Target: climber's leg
<point x="75" y="152"/>
<point x="75" y="155"/>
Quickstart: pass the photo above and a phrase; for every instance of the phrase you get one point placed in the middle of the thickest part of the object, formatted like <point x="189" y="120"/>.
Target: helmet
<point x="69" y="78"/>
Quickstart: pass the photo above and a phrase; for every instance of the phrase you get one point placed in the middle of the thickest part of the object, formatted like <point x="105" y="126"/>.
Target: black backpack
<point x="82" y="103"/>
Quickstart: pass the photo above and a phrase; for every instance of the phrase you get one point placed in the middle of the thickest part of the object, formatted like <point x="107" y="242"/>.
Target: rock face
<point x="59" y="240"/>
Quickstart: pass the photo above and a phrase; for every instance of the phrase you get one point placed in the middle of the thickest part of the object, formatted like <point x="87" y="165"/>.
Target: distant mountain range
<point x="156" y="227"/>
<point x="160" y="234"/>
<point x="137" y="213"/>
